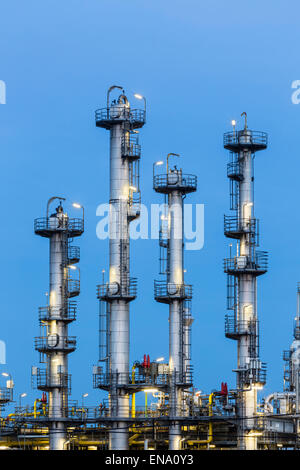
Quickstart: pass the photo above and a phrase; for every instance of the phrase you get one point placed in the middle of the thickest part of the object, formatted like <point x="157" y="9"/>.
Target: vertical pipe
<point x="119" y="273"/>
<point x="119" y="119"/>
<point x="55" y="343"/>
<point x="175" y="314"/>
<point x="246" y="289"/>
<point x="57" y="361"/>
<point x="245" y="268"/>
<point x="247" y="351"/>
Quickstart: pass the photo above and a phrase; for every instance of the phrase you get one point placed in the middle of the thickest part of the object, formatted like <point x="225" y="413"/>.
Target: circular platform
<point x="108" y="117"/>
<point x="167" y="183"/>
<point x="245" y="140"/>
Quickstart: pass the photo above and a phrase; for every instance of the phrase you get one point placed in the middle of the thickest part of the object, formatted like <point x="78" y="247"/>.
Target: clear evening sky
<point x="199" y="64"/>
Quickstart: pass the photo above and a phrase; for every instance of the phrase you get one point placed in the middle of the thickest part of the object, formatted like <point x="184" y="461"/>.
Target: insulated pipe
<point x="244" y="268"/>
<point x="57" y="361"/>
<point x="54" y="345"/>
<point x="119" y="276"/>
<point x="121" y="122"/>
<point x="175" y="313"/>
<point x="246" y="304"/>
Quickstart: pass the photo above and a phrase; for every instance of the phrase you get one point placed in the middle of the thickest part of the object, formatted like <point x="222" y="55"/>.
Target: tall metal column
<point x="242" y="271"/>
<point x="292" y="359"/>
<point x="122" y="122"/>
<point x="55" y="344"/>
<point x="175" y="185"/>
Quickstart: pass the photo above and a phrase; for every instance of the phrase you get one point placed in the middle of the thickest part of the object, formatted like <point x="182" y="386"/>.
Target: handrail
<point x="164" y="288"/>
<point x="53" y="224"/>
<point x="67" y="343"/>
<point x="179" y="180"/>
<point x="111" y="290"/>
<point x="256" y="138"/>
<point x="136" y="117"/>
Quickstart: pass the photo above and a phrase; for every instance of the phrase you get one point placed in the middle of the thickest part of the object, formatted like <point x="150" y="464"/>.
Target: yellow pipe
<point x="132" y="438"/>
<point x="133" y="395"/>
<point x="210" y="426"/>
<point x="210" y="413"/>
<point x="146" y="403"/>
<point x="34" y="406"/>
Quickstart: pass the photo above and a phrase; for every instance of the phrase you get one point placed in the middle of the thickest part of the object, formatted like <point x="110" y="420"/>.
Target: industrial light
<point x="85" y="395"/>
<point x="23" y="395"/>
<point x="160" y="359"/>
<point x="141" y="97"/>
<point x="258" y="386"/>
<point x="133" y="188"/>
<point x="233" y="122"/>
<point x="159" y="163"/>
<point x="150" y="390"/>
<point x="5" y="374"/>
<point x="72" y="267"/>
<point x="79" y="206"/>
<point x="255" y="434"/>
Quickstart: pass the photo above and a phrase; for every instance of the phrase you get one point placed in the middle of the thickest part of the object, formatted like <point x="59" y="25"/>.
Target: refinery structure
<point x="180" y="418"/>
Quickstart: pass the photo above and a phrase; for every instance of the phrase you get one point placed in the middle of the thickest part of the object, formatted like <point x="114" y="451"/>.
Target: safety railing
<point x="175" y="180"/>
<point x="255" y="376"/>
<point x="126" y="290"/>
<point x="67" y="313"/>
<point x="234" y="171"/>
<point x="235" y="328"/>
<point x="46" y="381"/>
<point x="286" y="355"/>
<point x="106" y="380"/>
<point x="42" y="412"/>
<point x="55" y="342"/>
<point x="243" y="138"/>
<point x="169" y="290"/>
<point x="245" y="264"/>
<point x="164" y="236"/>
<point x="127" y="380"/>
<point x="45" y="226"/>
<point x="82" y="413"/>
<point x="134" y="204"/>
<point x="73" y="287"/>
<point x="297" y="332"/>
<point x="73" y="254"/>
<point x="106" y="117"/>
<point x="130" y="147"/>
<point x="234" y="227"/>
<point x="5" y="395"/>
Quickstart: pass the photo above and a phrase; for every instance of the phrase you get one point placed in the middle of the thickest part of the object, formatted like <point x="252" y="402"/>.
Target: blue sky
<point x="199" y="64"/>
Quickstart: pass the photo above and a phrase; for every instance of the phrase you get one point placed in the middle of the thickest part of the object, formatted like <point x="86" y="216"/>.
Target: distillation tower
<point x="54" y="343"/>
<point x="242" y="270"/>
<point x="124" y="206"/>
<point x="174" y="292"/>
<point x="292" y="360"/>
